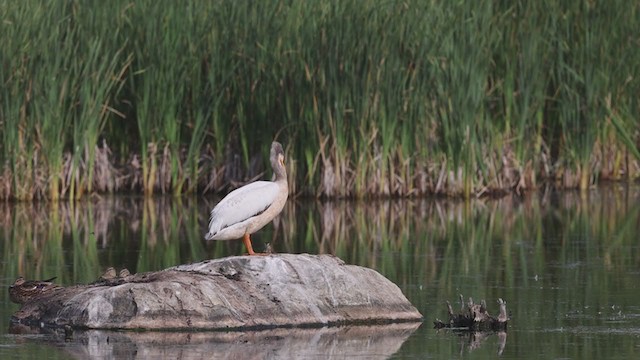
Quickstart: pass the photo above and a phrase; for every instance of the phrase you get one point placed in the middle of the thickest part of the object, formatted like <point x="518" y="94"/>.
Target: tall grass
<point x="398" y="98"/>
<point x="59" y="72"/>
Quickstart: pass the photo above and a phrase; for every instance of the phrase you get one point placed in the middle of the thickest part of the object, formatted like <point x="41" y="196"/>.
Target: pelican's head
<point x="277" y="160"/>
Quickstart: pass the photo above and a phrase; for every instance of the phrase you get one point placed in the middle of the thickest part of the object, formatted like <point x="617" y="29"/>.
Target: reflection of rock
<point x="234" y="292"/>
<point x="359" y="342"/>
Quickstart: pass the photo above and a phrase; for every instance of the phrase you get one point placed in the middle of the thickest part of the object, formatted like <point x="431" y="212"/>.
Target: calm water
<point x="568" y="267"/>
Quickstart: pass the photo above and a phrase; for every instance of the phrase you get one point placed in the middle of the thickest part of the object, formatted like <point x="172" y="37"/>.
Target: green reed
<point x="371" y="99"/>
<point x="19" y="143"/>
<point x="59" y="82"/>
<point x="159" y="90"/>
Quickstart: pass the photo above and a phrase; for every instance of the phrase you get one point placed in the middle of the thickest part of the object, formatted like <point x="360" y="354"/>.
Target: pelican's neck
<point x="280" y="171"/>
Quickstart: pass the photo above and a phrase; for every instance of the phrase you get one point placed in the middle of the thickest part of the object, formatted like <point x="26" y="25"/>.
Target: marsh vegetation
<point x="395" y="98"/>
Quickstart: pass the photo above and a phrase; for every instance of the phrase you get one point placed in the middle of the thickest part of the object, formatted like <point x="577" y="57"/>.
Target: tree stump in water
<point x="475" y="317"/>
<point x="245" y="292"/>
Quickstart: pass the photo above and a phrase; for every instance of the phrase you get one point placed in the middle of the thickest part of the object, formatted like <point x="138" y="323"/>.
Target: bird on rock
<point x="249" y="208"/>
<point x="23" y="290"/>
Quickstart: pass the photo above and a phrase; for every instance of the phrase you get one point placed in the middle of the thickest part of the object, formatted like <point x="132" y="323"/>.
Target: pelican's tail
<point x="214" y="228"/>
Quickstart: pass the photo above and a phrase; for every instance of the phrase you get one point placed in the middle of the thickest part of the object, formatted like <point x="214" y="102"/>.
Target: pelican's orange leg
<point x="247" y="243"/>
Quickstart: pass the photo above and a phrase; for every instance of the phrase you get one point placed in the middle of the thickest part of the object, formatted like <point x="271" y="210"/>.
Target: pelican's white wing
<point x="242" y="204"/>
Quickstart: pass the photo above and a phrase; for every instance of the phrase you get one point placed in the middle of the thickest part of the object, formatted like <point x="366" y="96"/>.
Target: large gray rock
<point x="235" y="292"/>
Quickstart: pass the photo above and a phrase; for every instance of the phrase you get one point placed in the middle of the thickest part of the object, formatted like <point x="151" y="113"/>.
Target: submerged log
<point x="475" y="317"/>
<point x="242" y="292"/>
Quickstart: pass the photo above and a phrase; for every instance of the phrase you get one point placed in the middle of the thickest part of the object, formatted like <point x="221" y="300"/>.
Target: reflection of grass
<point x="483" y="249"/>
<point x="564" y="263"/>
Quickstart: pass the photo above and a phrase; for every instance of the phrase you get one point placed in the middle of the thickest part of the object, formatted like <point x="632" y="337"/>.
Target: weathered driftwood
<point x="230" y="293"/>
<point x="475" y="317"/>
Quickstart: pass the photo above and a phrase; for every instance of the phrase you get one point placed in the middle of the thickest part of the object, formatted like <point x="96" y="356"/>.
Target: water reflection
<point x="370" y="342"/>
<point x="561" y="260"/>
<point x="76" y="241"/>
<point x="474" y="340"/>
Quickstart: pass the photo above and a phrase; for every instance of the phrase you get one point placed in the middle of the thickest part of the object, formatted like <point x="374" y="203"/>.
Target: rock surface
<point x="230" y="293"/>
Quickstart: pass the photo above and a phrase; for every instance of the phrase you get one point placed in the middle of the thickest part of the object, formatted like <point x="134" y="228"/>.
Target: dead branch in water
<point x="475" y="317"/>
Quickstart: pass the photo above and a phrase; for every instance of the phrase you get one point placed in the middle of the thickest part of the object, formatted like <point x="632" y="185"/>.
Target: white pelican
<point x="247" y="209"/>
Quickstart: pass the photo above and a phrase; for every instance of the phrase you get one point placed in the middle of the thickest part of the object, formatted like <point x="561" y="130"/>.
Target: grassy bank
<point x="369" y="98"/>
